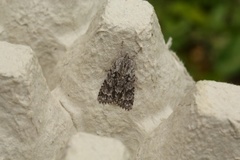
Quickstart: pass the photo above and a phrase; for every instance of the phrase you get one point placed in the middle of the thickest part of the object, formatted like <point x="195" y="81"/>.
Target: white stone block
<point x="91" y="147"/>
<point x="33" y="125"/>
<point x="205" y="126"/>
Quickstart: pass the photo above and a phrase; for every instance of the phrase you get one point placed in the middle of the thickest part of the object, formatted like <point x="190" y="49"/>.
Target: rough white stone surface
<point x="92" y="147"/>
<point x="33" y="125"/>
<point x="48" y="27"/>
<point x="162" y="80"/>
<point x="205" y="126"/>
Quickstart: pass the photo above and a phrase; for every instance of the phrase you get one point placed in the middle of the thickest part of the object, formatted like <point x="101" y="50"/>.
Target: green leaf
<point x="228" y="62"/>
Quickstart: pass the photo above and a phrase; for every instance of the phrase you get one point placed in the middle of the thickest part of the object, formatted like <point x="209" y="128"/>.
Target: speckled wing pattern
<point x="118" y="87"/>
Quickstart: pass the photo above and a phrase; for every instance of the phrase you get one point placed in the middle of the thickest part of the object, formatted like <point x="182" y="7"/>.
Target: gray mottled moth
<point x="118" y="87"/>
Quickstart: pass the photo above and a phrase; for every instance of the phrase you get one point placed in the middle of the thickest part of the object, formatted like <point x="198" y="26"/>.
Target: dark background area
<point x="206" y="36"/>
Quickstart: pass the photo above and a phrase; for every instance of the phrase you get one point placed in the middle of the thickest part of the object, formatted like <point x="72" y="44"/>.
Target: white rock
<point x="162" y="80"/>
<point x="33" y="125"/>
<point x="91" y="147"/>
<point x="205" y="126"/>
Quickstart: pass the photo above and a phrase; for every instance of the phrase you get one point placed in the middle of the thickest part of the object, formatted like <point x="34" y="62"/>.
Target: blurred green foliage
<point x="206" y="36"/>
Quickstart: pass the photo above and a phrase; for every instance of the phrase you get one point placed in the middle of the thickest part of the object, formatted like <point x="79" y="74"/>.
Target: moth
<point x="118" y="87"/>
